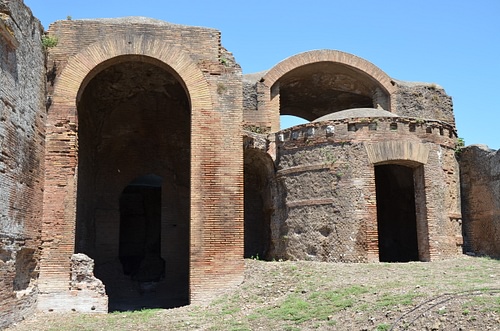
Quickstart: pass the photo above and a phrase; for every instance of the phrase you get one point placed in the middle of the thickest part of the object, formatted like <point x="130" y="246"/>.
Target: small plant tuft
<point x="459" y="146"/>
<point x="221" y="88"/>
<point x="49" y="41"/>
<point x="383" y="327"/>
<point x="255" y="257"/>
<point x="223" y="61"/>
<point x="257" y="129"/>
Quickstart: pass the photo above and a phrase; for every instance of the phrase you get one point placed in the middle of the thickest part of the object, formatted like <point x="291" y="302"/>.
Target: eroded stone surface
<point x="22" y="121"/>
<point x="480" y="182"/>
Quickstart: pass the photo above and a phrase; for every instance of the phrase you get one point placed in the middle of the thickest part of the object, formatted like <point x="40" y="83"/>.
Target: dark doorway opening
<point x="140" y="244"/>
<point x="257" y="204"/>
<point x="140" y="231"/>
<point x="396" y="213"/>
<point x="133" y="197"/>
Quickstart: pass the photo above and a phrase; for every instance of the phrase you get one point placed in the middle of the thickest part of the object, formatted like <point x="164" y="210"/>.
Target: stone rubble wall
<point x="480" y="184"/>
<point x="328" y="187"/>
<point x="22" y="120"/>
<point x="423" y="100"/>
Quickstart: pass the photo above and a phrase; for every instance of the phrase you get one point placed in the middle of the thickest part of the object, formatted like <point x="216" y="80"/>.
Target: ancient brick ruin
<point x="138" y="166"/>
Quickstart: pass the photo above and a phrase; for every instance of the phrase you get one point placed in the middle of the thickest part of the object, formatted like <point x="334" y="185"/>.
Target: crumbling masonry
<point x="138" y="166"/>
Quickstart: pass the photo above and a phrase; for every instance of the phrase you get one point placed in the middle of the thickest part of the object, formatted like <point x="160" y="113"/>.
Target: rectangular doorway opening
<point x="396" y="213"/>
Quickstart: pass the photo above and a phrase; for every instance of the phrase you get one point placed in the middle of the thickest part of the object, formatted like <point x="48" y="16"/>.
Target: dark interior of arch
<point x="322" y="88"/>
<point x="140" y="231"/>
<point x="134" y="126"/>
<point x="396" y="213"/>
<point x="257" y="205"/>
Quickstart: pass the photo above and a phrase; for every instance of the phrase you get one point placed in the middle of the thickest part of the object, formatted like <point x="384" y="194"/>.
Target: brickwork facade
<point x="325" y="202"/>
<point x="212" y="82"/>
<point x="138" y="166"/>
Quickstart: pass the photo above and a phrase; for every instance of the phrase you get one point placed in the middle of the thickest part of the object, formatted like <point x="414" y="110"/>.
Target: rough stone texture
<point x="86" y="292"/>
<point x="22" y="117"/>
<point x="331" y="215"/>
<point x="328" y="186"/>
<point x="480" y="182"/>
<point x="424" y="100"/>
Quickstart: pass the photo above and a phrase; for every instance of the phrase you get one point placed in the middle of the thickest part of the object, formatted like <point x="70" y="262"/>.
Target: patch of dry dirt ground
<point x="458" y="294"/>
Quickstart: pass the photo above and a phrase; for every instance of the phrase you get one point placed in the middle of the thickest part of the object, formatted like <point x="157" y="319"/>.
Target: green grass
<point x="318" y="305"/>
<point x="393" y="300"/>
<point x="485" y="303"/>
<point x="294" y="296"/>
<point x="383" y="327"/>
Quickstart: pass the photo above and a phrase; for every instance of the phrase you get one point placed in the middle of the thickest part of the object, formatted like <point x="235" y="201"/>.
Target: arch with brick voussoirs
<point x="62" y="127"/>
<point x="82" y="67"/>
<point x="270" y="83"/>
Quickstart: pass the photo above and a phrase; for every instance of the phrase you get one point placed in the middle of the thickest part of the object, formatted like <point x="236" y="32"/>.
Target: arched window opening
<point x="317" y="89"/>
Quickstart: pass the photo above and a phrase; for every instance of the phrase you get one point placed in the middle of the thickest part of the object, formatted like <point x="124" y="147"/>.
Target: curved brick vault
<point x="379" y="93"/>
<point x="326" y="55"/>
<point x="82" y="67"/>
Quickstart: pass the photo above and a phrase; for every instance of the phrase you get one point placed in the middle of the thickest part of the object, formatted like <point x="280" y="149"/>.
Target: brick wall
<point x="321" y="205"/>
<point x="212" y="82"/>
<point x="361" y="74"/>
<point x="315" y="200"/>
<point x="22" y="117"/>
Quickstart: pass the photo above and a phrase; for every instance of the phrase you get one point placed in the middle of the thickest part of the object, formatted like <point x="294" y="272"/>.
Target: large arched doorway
<point x="134" y="121"/>
<point x="396" y="213"/>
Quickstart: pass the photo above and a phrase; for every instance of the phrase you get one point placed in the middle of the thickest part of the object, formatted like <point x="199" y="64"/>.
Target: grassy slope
<point x="445" y="295"/>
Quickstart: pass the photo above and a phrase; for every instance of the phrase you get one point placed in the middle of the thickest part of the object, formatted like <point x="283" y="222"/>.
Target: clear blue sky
<point x="453" y="43"/>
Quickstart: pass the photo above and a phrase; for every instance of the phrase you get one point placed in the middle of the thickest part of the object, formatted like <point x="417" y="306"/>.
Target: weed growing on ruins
<point x="328" y="157"/>
<point x="459" y="146"/>
<point x="257" y="129"/>
<point x="223" y="61"/>
<point x="221" y="88"/>
<point x="49" y="41"/>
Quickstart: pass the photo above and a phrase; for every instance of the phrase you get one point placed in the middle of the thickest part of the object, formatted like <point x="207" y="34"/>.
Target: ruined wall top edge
<point x="130" y="20"/>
